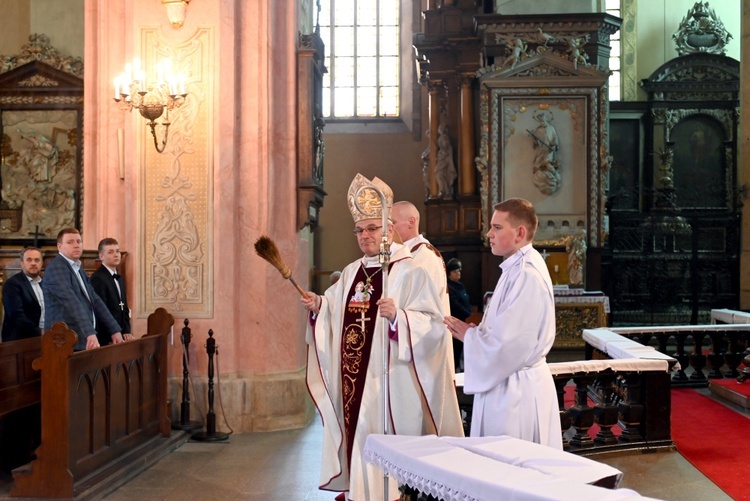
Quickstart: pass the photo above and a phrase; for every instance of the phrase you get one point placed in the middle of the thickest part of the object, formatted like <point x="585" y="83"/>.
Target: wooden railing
<point x="102" y="410"/>
<point x="703" y="352"/>
<point x="628" y="400"/>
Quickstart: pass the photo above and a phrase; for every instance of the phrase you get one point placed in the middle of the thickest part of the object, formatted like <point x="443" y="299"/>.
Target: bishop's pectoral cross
<point x="362" y="319"/>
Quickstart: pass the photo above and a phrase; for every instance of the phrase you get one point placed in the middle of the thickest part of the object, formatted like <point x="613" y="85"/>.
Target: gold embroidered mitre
<point x="364" y="202"/>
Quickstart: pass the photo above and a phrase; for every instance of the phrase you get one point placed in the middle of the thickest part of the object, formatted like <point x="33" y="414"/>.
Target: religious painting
<point x="700" y="169"/>
<point x="39" y="173"/>
<point x="626" y="148"/>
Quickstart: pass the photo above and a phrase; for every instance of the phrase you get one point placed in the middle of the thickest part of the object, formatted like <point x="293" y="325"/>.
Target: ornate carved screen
<point x="543" y="116"/>
<point x="41" y="107"/>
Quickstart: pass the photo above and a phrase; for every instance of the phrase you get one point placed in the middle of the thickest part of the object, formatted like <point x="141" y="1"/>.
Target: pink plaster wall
<point x="258" y="322"/>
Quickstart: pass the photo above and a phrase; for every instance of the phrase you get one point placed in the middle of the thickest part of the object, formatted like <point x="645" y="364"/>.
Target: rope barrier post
<point x="185" y="423"/>
<point x="210" y="435"/>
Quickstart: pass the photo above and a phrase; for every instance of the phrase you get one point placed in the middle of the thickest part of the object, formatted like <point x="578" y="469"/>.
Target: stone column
<point x="467" y="172"/>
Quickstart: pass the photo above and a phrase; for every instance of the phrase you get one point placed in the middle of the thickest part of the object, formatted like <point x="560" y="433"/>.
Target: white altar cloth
<point x="490" y="469"/>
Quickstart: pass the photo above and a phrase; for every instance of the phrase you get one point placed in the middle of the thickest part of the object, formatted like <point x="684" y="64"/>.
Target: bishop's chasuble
<point x="345" y="369"/>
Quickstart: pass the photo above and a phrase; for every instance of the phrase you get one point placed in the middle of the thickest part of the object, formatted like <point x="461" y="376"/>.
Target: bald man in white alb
<point x="405" y="217"/>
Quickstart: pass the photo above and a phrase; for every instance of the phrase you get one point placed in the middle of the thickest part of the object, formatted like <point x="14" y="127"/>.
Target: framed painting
<point x="626" y="145"/>
<point x="545" y="146"/>
<point x="41" y="166"/>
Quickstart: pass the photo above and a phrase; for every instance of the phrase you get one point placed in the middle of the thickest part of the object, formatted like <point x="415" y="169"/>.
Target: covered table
<point x="491" y="469"/>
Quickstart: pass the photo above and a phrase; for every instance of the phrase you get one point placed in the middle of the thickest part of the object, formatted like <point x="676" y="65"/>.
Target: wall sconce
<point x="167" y="93"/>
<point x="176" y="10"/>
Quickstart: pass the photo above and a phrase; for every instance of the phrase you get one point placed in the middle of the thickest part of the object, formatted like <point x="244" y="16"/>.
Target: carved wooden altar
<point x="675" y="200"/>
<point x="311" y="140"/>
<point x="41" y="120"/>
<point x="531" y="90"/>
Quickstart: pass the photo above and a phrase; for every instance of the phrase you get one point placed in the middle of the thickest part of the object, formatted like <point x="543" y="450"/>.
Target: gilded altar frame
<point x="41" y="131"/>
<point x="572" y="99"/>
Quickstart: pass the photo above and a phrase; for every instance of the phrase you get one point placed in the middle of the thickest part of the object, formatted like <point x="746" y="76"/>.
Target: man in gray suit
<point x="70" y="298"/>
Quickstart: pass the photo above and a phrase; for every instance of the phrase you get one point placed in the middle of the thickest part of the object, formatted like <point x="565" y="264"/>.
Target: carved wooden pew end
<point x="104" y="413"/>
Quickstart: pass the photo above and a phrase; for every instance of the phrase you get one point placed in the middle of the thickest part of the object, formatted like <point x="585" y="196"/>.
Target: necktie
<point x="116" y="276"/>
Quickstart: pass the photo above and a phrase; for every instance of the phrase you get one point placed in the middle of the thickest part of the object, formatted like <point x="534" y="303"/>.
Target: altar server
<point x="505" y="365"/>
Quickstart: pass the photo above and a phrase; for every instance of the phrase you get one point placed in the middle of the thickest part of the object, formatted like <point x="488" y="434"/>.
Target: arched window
<point x="362" y="46"/>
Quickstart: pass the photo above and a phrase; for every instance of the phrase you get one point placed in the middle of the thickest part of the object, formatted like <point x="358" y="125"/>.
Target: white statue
<point x="445" y="169"/>
<point x="546" y="171"/>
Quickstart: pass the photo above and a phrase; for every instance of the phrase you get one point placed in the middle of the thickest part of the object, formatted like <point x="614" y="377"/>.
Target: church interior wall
<point x="16" y="27"/>
<point x="658" y="20"/>
<point x="251" y="165"/>
<point x="62" y="21"/>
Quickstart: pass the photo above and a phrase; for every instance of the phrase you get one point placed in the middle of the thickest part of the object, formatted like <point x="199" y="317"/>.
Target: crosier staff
<point x="384" y="256"/>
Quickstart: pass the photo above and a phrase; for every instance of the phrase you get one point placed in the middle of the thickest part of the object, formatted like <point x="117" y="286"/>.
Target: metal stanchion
<point x="185" y="423"/>
<point x="210" y="435"/>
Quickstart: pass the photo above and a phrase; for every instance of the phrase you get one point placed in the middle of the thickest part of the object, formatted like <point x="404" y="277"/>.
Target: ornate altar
<point x="41" y="119"/>
<point x="674" y="199"/>
<point x="543" y="122"/>
<point x="311" y="144"/>
<point x="524" y="100"/>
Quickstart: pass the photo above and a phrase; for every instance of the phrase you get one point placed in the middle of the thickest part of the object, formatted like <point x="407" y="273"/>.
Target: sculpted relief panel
<point x="177" y="187"/>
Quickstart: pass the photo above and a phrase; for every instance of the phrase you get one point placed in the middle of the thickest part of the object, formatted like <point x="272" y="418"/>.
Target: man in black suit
<point x="23" y="299"/>
<point x="110" y="286"/>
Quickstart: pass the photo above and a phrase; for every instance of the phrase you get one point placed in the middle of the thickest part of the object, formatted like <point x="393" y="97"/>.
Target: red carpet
<point x="732" y="384"/>
<point x="714" y="439"/>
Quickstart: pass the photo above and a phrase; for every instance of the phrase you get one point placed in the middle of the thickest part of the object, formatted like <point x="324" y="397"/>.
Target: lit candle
<point x="142" y="78"/>
<point x="117" y="87"/>
<point x="182" y="84"/>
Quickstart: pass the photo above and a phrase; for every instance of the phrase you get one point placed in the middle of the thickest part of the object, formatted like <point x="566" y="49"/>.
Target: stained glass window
<point x="362" y="46"/>
<point x="613" y="7"/>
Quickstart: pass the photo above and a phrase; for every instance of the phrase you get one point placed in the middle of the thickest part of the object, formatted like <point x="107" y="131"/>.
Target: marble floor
<point x="285" y="466"/>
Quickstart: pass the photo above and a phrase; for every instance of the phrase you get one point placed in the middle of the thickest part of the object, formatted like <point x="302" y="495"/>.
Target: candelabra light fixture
<point x="152" y="100"/>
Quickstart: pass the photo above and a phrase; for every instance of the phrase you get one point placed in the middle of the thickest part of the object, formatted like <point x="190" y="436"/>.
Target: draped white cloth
<point x="491" y="469"/>
<point x="422" y="395"/>
<point x="504" y="356"/>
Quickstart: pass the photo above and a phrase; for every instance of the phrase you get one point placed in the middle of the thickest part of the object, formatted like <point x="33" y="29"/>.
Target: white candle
<point x="556" y="268"/>
<point x="117" y="87"/>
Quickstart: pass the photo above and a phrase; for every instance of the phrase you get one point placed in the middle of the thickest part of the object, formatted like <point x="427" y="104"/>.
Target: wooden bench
<point x="104" y="413"/>
<point x="20" y="384"/>
<point x="20" y="394"/>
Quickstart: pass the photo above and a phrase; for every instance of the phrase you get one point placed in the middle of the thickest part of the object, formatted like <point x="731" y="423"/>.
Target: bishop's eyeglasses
<point x="369" y="230"/>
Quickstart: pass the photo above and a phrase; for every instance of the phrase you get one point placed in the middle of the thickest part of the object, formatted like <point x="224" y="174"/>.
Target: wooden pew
<point x="20" y="394"/>
<point x="104" y="413"/>
<point x="20" y="384"/>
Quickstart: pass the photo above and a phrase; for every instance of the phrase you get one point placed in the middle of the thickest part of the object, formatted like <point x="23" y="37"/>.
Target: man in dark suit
<point x="69" y="297"/>
<point x="23" y="298"/>
<point x="111" y="288"/>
